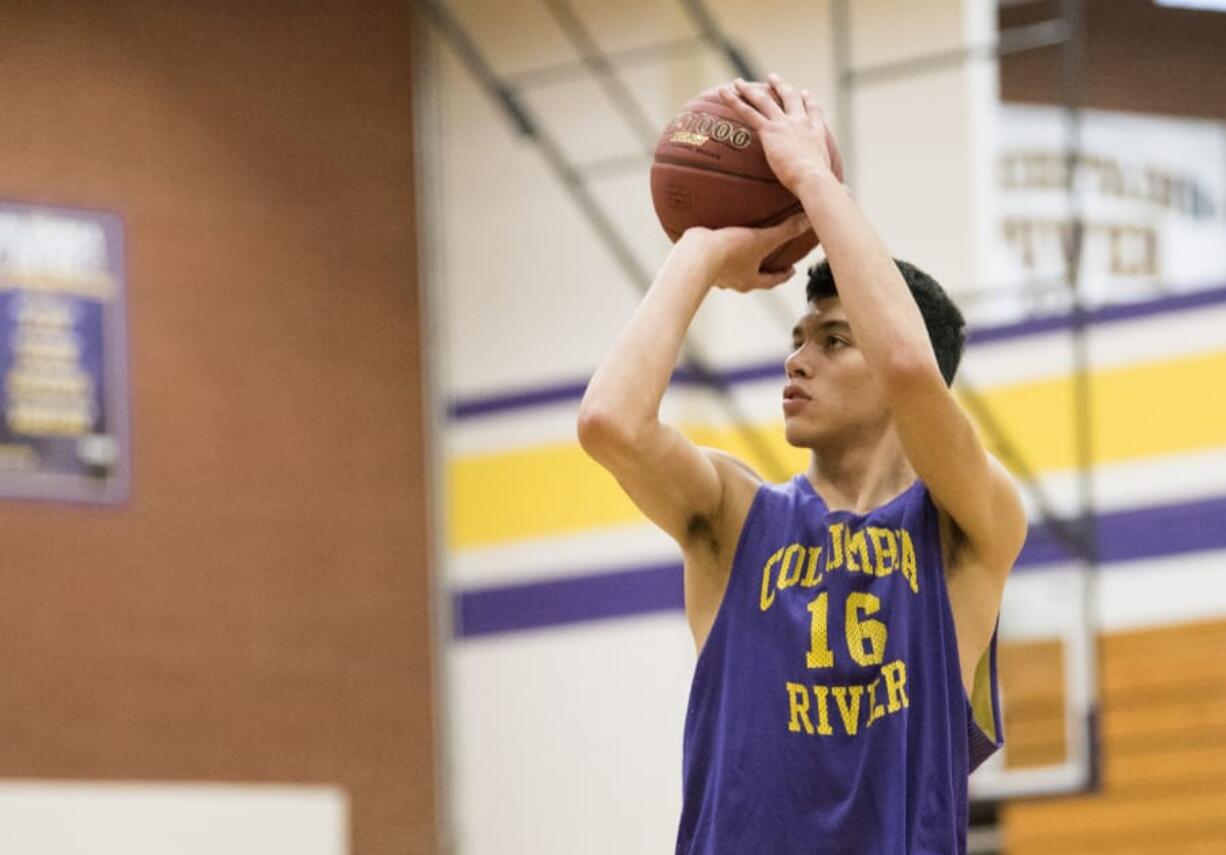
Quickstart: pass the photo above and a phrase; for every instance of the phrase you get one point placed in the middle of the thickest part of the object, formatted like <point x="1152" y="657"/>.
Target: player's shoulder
<point x="732" y="465"/>
<point x="739" y="483"/>
<point x="705" y="534"/>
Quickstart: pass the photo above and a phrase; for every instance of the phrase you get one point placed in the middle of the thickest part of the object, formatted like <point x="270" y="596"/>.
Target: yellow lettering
<point x="812" y="577"/>
<point x="876" y="710"/>
<point x="908" y="560"/>
<point x="885" y="550"/>
<point x="768" y="594"/>
<point x="860" y="630"/>
<point x="895" y="674"/>
<point x="787" y="575"/>
<point x="850" y="713"/>
<point x="855" y="547"/>
<point x="822" y="693"/>
<point x="834" y="559"/>
<point x="820" y="655"/>
<point x="851" y="702"/>
<point x="798" y="705"/>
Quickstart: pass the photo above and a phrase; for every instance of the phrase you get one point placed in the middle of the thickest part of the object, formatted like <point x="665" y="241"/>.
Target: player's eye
<point x="832" y="340"/>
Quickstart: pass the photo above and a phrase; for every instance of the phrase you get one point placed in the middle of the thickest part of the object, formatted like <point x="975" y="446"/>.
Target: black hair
<point x="943" y="319"/>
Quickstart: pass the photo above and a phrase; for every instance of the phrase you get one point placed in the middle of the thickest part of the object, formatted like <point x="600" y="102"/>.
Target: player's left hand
<point x="797" y="142"/>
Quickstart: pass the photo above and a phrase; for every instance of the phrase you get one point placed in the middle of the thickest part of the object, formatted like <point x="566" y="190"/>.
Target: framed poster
<point x="1149" y="195"/>
<point x="63" y="373"/>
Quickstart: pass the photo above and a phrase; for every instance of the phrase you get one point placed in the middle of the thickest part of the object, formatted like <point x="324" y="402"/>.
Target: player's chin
<point x="797" y="433"/>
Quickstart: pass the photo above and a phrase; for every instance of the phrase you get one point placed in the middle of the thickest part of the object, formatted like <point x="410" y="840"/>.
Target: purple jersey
<point x="827" y="713"/>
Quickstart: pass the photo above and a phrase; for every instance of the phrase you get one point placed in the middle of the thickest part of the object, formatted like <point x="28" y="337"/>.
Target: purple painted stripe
<point x="609" y="594"/>
<point x="745" y="374"/>
<point x="1151" y="532"/>
<point x="1101" y="315"/>
<point x="563" y="392"/>
<point x="572" y="390"/>
<point x="1163" y="530"/>
<point x="485" y="405"/>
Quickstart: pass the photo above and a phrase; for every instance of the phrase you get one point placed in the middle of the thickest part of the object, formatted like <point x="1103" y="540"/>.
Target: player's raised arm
<point x="936" y="433"/>
<point x="671" y="480"/>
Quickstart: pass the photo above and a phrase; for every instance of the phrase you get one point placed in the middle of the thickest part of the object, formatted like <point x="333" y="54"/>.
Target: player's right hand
<point x="734" y="255"/>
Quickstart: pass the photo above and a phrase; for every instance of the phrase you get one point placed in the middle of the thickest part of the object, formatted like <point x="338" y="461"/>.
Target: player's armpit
<point x="968" y="483"/>
<point x="679" y="486"/>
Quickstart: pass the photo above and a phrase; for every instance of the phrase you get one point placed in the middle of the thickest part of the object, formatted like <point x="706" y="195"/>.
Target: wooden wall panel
<point x="1163" y="789"/>
<point x="1032" y="691"/>
<point x="258" y="611"/>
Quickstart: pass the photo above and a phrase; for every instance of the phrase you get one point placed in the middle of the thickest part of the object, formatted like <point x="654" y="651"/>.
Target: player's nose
<point x="795" y="364"/>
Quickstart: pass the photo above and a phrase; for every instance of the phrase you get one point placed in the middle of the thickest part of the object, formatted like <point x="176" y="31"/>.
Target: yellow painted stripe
<point x="1138" y="411"/>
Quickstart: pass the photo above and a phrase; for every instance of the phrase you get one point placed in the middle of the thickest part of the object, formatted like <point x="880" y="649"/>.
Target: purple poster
<point x="63" y="377"/>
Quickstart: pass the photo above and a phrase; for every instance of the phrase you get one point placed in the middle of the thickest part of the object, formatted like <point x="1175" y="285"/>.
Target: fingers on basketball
<point x="814" y="111"/>
<point x="793" y="103"/>
<point x="836" y="157"/>
<point x="772" y="237"/>
<point x="759" y="98"/>
<point x="772" y="278"/>
<point x="795" y="225"/>
<point x="744" y="112"/>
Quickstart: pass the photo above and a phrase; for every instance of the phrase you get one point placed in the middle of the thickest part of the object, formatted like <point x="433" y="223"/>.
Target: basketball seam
<point x="667" y="162"/>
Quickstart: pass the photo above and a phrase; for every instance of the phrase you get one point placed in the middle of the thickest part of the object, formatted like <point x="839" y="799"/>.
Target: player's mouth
<point x="794" y="399"/>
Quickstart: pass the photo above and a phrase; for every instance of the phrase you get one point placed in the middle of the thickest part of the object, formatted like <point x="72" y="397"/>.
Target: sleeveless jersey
<point x="827" y="713"/>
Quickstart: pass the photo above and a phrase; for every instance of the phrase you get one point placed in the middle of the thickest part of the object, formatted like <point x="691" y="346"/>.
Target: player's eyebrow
<point x="832" y="324"/>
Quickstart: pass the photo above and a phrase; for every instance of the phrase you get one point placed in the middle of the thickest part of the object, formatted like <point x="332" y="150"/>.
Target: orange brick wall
<point x="259" y="610"/>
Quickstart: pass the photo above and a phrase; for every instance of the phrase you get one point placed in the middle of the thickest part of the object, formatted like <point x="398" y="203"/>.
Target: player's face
<point x="831" y="395"/>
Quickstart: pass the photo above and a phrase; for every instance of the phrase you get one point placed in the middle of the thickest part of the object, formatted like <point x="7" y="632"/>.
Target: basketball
<point x="711" y="170"/>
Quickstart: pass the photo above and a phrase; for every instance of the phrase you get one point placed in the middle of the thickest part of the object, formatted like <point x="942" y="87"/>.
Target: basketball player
<point x="845" y="619"/>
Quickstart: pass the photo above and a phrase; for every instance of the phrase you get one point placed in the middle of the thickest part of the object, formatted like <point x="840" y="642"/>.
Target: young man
<point x="846" y="619"/>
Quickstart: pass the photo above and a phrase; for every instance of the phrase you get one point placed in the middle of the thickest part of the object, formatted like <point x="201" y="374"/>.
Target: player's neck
<point x="860" y="477"/>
